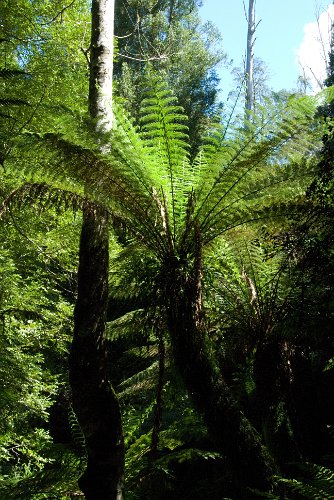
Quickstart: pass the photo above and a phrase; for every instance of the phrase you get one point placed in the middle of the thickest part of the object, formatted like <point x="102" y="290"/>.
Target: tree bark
<point x="101" y="64"/>
<point x="94" y="400"/>
<point x="228" y="427"/>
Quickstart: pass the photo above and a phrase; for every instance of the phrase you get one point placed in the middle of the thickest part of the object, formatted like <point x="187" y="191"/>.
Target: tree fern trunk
<point x="94" y="400"/>
<point x="273" y="377"/>
<point x="228" y="427"/>
<point x="158" y="401"/>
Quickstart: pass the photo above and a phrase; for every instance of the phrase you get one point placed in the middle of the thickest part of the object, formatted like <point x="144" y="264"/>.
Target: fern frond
<point x="5" y="115"/>
<point x="129" y="324"/>
<point x="105" y="178"/>
<point x="76" y="431"/>
<point x="50" y="482"/>
<point x="251" y="289"/>
<point x="141" y="381"/>
<point x="189" y="454"/>
<point x="165" y="136"/>
<point x="42" y="195"/>
<point x="7" y="73"/>
<point x="319" y="487"/>
<point x="247" y="178"/>
<point x="7" y="101"/>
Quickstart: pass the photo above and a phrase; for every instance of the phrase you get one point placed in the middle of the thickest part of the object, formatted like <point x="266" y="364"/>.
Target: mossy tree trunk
<point x="94" y="399"/>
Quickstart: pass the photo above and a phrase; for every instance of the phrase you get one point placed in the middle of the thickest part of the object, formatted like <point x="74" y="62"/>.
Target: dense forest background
<point x="166" y="270"/>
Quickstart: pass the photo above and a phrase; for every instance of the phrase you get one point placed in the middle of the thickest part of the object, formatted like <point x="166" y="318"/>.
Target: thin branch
<point x="60" y="14"/>
<point x="245" y="11"/>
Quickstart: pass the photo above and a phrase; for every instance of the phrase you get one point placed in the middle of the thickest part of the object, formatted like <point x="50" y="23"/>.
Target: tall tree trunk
<point x="228" y="427"/>
<point x="249" y="105"/>
<point x="94" y="400"/>
<point x="101" y="63"/>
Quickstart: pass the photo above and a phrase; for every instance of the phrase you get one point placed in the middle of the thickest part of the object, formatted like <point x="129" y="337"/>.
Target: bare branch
<point x="245" y="11"/>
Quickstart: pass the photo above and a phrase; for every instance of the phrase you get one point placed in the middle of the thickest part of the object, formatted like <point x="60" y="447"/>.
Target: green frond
<point x="5" y="115"/>
<point x="134" y="272"/>
<point x="128" y="145"/>
<point x="105" y="178"/>
<point x="251" y="288"/>
<point x="329" y="365"/>
<point x="164" y="133"/>
<point x="50" y="482"/>
<point x="5" y="100"/>
<point x="43" y="196"/>
<point x="128" y="325"/>
<point x="76" y="431"/>
<point x="189" y="454"/>
<point x="243" y="177"/>
<point x="140" y="382"/>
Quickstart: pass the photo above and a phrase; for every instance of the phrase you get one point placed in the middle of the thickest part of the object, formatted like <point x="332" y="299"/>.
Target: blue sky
<point x="279" y="35"/>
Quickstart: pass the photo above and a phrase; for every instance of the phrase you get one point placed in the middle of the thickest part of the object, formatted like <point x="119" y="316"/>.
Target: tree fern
<point x="175" y="210"/>
<point x="250" y="288"/>
<point x="147" y="180"/>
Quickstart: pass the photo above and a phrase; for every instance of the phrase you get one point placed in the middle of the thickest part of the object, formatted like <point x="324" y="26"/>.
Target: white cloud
<point x="312" y="53"/>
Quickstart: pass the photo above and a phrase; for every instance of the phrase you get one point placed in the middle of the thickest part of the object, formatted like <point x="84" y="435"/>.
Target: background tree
<point x="94" y="400"/>
<point x="249" y="69"/>
<point x="168" y="37"/>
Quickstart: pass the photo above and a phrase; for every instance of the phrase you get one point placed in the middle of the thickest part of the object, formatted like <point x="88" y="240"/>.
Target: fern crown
<point x="145" y="177"/>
